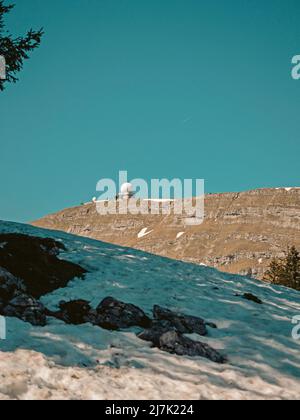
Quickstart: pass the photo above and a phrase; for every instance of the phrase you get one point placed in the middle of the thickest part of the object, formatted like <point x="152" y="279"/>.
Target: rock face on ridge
<point x="240" y="234"/>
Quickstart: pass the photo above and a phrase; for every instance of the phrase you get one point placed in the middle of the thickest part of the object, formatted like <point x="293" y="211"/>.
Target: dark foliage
<point x="285" y="271"/>
<point x="15" y="50"/>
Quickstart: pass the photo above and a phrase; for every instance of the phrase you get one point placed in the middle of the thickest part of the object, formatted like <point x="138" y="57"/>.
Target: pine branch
<point x="15" y="50"/>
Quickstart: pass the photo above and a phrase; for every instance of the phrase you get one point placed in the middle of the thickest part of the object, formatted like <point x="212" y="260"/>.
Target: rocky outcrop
<point x="27" y="309"/>
<point x="110" y="314"/>
<point x="153" y="334"/>
<point x="14" y="302"/>
<point x="184" y="324"/>
<point x="36" y="262"/>
<point x="166" y="337"/>
<point x="252" y="298"/>
<point x="30" y="268"/>
<point x="76" y="312"/>
<point x="241" y="232"/>
<point x="114" y="315"/>
<point x="175" y="343"/>
<point x="10" y="286"/>
<point x="167" y="333"/>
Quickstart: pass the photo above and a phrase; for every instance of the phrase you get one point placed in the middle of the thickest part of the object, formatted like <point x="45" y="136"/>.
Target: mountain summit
<point x="241" y="232"/>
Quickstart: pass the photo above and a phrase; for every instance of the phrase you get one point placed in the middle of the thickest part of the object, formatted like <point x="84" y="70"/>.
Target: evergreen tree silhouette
<point x="285" y="271"/>
<point x="15" y="50"/>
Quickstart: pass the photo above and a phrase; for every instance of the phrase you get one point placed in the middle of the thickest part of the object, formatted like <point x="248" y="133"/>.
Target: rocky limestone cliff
<point x="240" y="234"/>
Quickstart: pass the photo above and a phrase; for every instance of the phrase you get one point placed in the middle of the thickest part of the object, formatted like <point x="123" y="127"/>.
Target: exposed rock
<point x="111" y="314"/>
<point x="166" y="333"/>
<point x="10" y="286"/>
<point x="26" y="308"/>
<point x="153" y="334"/>
<point x="184" y="324"/>
<point x="173" y="342"/>
<point x="252" y="298"/>
<point x="114" y="315"/>
<point x="34" y="260"/>
<point x="76" y="312"/>
<point x="211" y="325"/>
<point x="14" y="302"/>
<point x="29" y="268"/>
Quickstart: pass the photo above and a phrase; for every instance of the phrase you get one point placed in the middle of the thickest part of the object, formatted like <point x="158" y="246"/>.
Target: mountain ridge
<point x="240" y="234"/>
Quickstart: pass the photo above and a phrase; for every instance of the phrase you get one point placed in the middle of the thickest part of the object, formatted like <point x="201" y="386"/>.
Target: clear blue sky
<point x="161" y="88"/>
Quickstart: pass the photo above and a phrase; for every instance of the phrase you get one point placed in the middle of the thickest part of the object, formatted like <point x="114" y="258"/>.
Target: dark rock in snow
<point x="10" y="286"/>
<point x="111" y="314"/>
<point x="166" y="333"/>
<point x="29" y="268"/>
<point x="76" y="312"/>
<point x="175" y="343"/>
<point x="27" y="309"/>
<point x="114" y="315"/>
<point x="166" y="338"/>
<point x="157" y="329"/>
<point x="14" y="302"/>
<point x="34" y="260"/>
<point x="184" y="324"/>
<point x="211" y="325"/>
<point x="252" y="298"/>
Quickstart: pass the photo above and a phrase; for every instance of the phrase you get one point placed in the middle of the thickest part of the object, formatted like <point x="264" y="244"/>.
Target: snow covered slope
<point x="64" y="361"/>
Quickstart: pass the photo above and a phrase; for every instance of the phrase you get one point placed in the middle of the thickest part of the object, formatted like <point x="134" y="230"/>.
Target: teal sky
<point x="161" y="88"/>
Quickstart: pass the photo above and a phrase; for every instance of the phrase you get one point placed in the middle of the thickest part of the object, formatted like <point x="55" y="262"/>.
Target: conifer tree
<point x="292" y="269"/>
<point x="15" y="50"/>
<point x="285" y="271"/>
<point x="275" y="272"/>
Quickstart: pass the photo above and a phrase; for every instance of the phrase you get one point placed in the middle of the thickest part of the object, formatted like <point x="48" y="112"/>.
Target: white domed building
<point x="126" y="191"/>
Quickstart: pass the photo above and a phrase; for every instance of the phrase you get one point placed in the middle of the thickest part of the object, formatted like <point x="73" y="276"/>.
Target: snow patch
<point x="288" y="189"/>
<point x="179" y="235"/>
<point x="144" y="232"/>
